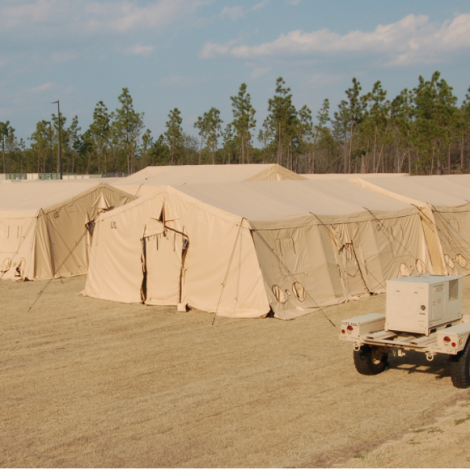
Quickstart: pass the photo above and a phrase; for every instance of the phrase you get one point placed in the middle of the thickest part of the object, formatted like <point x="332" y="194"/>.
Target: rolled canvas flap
<point x="153" y="228"/>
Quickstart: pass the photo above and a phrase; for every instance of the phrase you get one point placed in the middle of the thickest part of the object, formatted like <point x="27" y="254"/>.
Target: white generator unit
<point x="420" y="304"/>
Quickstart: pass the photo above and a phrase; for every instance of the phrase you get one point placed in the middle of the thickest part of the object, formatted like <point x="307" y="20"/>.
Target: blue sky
<point x="194" y="54"/>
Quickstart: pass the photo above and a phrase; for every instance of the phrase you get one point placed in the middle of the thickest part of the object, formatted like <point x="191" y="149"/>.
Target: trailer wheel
<point x="370" y="360"/>
<point x="460" y="368"/>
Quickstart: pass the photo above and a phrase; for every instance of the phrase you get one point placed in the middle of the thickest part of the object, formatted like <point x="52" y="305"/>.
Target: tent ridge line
<point x="84" y="193"/>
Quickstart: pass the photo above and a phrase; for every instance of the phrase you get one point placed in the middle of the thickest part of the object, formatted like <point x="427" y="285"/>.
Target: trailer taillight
<point x="343" y="331"/>
<point x="454" y="345"/>
<point x="350" y="329"/>
<point x="446" y="339"/>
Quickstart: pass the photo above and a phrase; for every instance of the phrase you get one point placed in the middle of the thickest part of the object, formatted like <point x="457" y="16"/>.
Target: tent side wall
<point x="221" y="269"/>
<point x="115" y="269"/>
<point x="391" y="247"/>
<point x="300" y="269"/>
<point x="319" y="261"/>
<point x="21" y="247"/>
<point x="427" y="219"/>
<point x="66" y="224"/>
<point x="453" y="226"/>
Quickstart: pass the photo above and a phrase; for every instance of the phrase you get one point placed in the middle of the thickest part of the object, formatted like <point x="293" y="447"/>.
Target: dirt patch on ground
<point x="85" y="382"/>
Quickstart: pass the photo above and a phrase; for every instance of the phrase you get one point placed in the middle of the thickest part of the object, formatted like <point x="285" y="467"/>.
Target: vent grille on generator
<point x="454" y="290"/>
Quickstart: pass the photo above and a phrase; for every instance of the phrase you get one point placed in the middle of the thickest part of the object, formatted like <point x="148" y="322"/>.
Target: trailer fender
<point x="452" y="340"/>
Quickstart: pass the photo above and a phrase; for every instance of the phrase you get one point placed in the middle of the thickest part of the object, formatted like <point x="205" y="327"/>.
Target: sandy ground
<point x="85" y="382"/>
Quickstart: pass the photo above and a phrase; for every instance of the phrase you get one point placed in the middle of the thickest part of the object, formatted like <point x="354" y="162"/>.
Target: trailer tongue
<point x="423" y="314"/>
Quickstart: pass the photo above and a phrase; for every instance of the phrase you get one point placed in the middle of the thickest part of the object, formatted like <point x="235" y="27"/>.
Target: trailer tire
<point x="369" y="360"/>
<point x="460" y="368"/>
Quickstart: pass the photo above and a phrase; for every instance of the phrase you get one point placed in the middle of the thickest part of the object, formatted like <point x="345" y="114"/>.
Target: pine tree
<point x="100" y="128"/>
<point x="129" y="125"/>
<point x="281" y="118"/>
<point x="174" y="134"/>
<point x="214" y="130"/>
<point x="243" y="121"/>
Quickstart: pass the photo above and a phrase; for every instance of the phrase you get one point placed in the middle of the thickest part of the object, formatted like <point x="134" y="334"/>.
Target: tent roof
<point x="278" y="200"/>
<point x="448" y="190"/>
<point x="26" y="199"/>
<point x="154" y="176"/>
<point x="272" y="199"/>
<point x="349" y="176"/>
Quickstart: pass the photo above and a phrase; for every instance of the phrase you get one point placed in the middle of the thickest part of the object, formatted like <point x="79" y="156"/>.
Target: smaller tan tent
<point x="242" y="249"/>
<point x="444" y="205"/>
<point x="46" y="226"/>
<point x="147" y="181"/>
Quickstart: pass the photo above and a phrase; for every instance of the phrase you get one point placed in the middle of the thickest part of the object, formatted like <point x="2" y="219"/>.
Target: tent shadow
<point x="415" y="362"/>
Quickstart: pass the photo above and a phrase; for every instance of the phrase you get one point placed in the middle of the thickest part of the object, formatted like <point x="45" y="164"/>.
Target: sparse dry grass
<point x="85" y="382"/>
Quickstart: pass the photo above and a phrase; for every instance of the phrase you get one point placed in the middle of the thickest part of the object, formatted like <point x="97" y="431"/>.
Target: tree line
<point x="421" y="131"/>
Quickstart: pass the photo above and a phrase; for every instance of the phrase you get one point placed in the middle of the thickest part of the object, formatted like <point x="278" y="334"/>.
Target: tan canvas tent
<point x="43" y="226"/>
<point x="349" y="176"/>
<point x="444" y="204"/>
<point x="148" y="180"/>
<point x="242" y="249"/>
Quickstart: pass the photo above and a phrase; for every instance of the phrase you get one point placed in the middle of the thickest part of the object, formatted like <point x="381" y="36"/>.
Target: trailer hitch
<point x="430" y="356"/>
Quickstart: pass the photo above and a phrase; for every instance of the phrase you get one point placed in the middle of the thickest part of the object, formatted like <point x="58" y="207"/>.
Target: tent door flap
<point x="164" y="260"/>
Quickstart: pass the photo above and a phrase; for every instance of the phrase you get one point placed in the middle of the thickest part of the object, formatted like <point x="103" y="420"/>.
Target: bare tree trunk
<point x="243" y="150"/>
<point x="448" y="161"/>
<point x="375" y="146"/>
<point x="376" y="170"/>
<point x="461" y="154"/>
<point x="432" y="162"/>
<point x="350" y="148"/>
<point x="127" y="154"/>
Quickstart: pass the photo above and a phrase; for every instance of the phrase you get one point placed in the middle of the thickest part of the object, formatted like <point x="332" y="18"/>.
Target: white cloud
<point x="410" y="40"/>
<point x="92" y="16"/>
<point x="212" y="50"/>
<point x="259" y="5"/>
<point x="138" y="49"/>
<point x="237" y="12"/>
<point x="259" y="72"/>
<point x="41" y="88"/>
<point x="233" y="13"/>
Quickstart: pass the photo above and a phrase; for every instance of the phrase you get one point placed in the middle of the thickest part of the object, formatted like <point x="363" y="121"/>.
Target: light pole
<point x="50" y="146"/>
<point x="60" y="146"/>
<point x="4" y="133"/>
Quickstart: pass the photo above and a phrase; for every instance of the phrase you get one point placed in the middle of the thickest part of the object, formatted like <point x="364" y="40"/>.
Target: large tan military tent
<point x="148" y="180"/>
<point x="444" y="205"/>
<point x="242" y="249"/>
<point x="43" y="226"/>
